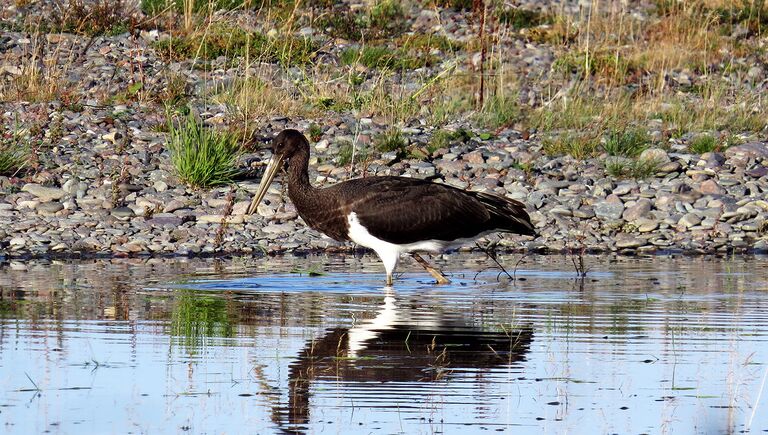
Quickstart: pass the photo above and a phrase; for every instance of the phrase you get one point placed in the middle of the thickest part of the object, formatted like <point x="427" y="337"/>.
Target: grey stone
<point x="45" y="194"/>
<point x="17" y="242"/>
<point x="123" y="213"/>
<point x="624" y="188"/>
<point x="218" y="218"/>
<point x="174" y="205"/>
<point x="750" y="150"/>
<point x="608" y="210"/>
<point x="646" y="225"/>
<point x="584" y="213"/>
<point x="689" y="220"/>
<point x="50" y="207"/>
<point x="655" y="155"/>
<point x="624" y="241"/>
<point x="639" y="210"/>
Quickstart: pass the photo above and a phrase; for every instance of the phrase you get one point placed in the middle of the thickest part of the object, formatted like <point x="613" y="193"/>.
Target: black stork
<point x="390" y="215"/>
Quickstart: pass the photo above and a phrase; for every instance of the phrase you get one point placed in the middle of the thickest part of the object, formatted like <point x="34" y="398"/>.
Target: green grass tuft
<point x="152" y="7"/>
<point x="703" y="144"/>
<point x="315" y="132"/>
<point x="631" y="168"/>
<point x="391" y="140"/>
<point x="386" y="58"/>
<point x="579" y="146"/>
<point x="202" y="157"/>
<point x="626" y="143"/>
<point x="499" y="111"/>
<point x="14" y="153"/>
<point x="425" y="43"/>
<point x="346" y="150"/>
<point x="12" y="160"/>
<point x="517" y="18"/>
<point x="387" y="18"/>
<point x="233" y="42"/>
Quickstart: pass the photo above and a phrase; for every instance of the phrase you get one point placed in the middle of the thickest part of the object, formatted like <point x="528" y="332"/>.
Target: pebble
<point x="656" y="155"/>
<point x="628" y="241"/>
<point x="123" y="213"/>
<point x="638" y="210"/>
<point x="217" y="219"/>
<point x="608" y="210"/>
<point x="43" y="193"/>
<point x="689" y="220"/>
<point x="50" y="207"/>
<point x="710" y="187"/>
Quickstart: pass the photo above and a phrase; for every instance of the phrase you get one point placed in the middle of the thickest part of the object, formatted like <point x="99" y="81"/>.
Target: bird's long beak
<point x="269" y="174"/>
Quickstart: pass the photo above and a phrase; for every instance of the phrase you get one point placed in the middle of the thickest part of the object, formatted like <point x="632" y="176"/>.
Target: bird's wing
<point x="403" y="210"/>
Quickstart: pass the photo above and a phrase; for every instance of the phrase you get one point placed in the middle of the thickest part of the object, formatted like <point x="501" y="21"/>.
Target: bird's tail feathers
<point x="510" y="213"/>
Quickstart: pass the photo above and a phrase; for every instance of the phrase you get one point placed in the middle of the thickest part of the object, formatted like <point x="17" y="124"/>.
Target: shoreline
<point x="100" y="179"/>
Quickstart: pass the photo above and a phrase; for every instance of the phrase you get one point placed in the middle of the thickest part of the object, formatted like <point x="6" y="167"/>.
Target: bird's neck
<point x="298" y="173"/>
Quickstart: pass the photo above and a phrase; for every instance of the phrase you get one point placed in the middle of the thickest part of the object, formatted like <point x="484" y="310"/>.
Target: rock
<point x="217" y="219"/>
<point x="123" y="213"/>
<point x="640" y="209"/>
<point x="758" y="171"/>
<point x="710" y="187"/>
<point x="605" y="210"/>
<point x="17" y="242"/>
<point x="749" y="150"/>
<point x="711" y="160"/>
<point x="241" y="207"/>
<point x="174" y="205"/>
<point x="279" y="228"/>
<point x="165" y="221"/>
<point x="646" y="225"/>
<point x="126" y="188"/>
<point x="12" y="70"/>
<point x="50" y="207"/>
<point x="474" y="157"/>
<point x="561" y="211"/>
<point x="160" y="186"/>
<point x="584" y="213"/>
<point x="45" y="194"/>
<point x="624" y="241"/>
<point x="86" y="244"/>
<point x="689" y="220"/>
<point x="670" y="167"/>
<point x="624" y="188"/>
<point x="656" y="155"/>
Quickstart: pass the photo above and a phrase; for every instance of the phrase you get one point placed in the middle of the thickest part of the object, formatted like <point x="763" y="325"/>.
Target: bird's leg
<point x="389" y="280"/>
<point x="441" y="279"/>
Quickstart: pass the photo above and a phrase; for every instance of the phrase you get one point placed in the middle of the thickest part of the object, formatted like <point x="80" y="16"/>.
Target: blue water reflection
<point x="239" y="346"/>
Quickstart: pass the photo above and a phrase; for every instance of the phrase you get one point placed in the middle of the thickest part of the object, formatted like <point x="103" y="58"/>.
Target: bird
<point x="388" y="214"/>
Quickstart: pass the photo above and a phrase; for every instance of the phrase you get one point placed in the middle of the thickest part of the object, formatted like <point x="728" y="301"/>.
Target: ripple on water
<point x="641" y="345"/>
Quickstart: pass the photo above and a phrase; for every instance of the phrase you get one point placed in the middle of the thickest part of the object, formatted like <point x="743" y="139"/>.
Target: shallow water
<point x="661" y="345"/>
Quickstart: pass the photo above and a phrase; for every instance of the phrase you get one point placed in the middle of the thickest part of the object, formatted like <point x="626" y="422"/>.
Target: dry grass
<point x="253" y="97"/>
<point x="609" y="45"/>
<point x="41" y="75"/>
<point x="612" y="70"/>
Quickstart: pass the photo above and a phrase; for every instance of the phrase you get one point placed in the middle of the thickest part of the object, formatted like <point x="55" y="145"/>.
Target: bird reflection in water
<point x="403" y="343"/>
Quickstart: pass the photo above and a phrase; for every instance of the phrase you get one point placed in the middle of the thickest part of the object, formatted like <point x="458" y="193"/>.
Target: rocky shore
<point x="714" y="202"/>
<point x="103" y="183"/>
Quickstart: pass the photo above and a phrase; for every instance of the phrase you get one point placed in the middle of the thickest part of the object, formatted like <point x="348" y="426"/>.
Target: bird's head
<point x="284" y="147"/>
<point x="286" y="144"/>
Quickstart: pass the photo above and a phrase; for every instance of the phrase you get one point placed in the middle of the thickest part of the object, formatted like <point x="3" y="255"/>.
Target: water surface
<point x="318" y="345"/>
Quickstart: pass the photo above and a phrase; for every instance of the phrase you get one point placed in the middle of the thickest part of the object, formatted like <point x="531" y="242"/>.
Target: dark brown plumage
<point x="409" y="214"/>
